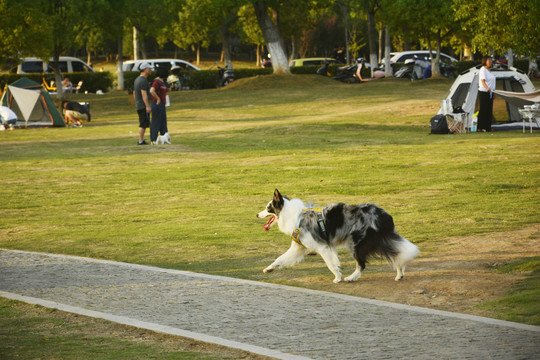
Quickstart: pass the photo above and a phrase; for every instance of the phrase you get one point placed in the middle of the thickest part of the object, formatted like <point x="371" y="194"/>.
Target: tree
<point x="249" y="30"/>
<point x="371" y="7"/>
<point x="192" y="27"/>
<point x="149" y="19"/>
<point x="23" y="31"/>
<point x="431" y="20"/>
<point x="270" y="28"/>
<point x="62" y="16"/>
<point x="356" y="21"/>
<point x="501" y="24"/>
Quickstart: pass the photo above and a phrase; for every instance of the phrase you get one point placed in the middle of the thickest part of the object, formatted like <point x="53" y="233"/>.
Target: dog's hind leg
<point x="294" y="255"/>
<point x="360" y="258"/>
<point x="356" y="274"/>
<point x="400" y="272"/>
<point x="331" y="259"/>
<point x="407" y="252"/>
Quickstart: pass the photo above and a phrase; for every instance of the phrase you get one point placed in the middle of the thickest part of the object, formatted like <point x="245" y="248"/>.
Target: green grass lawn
<point x="92" y="192"/>
<point x="191" y="205"/>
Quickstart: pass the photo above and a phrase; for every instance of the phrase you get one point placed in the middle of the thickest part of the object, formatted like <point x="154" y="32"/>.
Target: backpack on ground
<point x="439" y="125"/>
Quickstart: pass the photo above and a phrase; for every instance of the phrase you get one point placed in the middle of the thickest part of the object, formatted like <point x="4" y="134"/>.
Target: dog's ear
<point x="277" y="196"/>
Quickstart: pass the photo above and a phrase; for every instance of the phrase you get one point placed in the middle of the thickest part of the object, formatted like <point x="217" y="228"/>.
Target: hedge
<point x="204" y="79"/>
<point x="207" y="79"/>
<point x="92" y="82"/>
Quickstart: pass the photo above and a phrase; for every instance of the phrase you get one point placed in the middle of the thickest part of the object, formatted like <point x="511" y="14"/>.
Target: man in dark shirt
<point x="141" y="90"/>
<point x="74" y="113"/>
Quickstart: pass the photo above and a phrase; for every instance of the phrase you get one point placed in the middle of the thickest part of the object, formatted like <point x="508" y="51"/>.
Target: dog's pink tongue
<point x="266" y="226"/>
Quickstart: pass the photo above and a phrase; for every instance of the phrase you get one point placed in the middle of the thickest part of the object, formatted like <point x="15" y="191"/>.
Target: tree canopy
<point x="286" y="29"/>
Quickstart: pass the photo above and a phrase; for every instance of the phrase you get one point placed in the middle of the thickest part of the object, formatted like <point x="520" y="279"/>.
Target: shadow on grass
<point x="273" y="138"/>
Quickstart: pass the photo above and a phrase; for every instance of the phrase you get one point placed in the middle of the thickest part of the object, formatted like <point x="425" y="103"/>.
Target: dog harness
<point x="320" y="220"/>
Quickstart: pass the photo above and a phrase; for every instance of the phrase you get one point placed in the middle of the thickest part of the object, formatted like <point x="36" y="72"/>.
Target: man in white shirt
<point x="486" y="86"/>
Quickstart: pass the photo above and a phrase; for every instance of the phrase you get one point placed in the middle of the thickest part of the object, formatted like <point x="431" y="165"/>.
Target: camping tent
<point x="32" y="104"/>
<point x="464" y="91"/>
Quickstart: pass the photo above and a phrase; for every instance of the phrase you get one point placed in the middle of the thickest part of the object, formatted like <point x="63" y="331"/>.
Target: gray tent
<point x="464" y="91"/>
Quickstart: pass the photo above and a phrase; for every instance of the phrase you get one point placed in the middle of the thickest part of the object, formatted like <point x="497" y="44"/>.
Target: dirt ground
<point x="454" y="276"/>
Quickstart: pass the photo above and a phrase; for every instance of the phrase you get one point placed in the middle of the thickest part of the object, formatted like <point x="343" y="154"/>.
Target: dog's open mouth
<point x="269" y="223"/>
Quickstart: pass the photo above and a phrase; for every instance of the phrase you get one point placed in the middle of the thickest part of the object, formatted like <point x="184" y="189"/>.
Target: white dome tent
<point x="464" y="91"/>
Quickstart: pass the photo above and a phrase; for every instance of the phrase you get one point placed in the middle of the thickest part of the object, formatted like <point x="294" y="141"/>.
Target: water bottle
<point x="474" y="122"/>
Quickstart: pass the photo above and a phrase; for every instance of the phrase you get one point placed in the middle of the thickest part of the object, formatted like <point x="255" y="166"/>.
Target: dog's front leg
<point x="331" y="259"/>
<point x="293" y="256"/>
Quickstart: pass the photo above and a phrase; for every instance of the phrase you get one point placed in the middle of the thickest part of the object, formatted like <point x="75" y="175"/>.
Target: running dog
<point x="365" y="229"/>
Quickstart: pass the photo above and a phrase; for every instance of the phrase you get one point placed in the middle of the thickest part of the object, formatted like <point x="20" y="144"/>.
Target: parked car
<point x="67" y="64"/>
<point x="401" y="57"/>
<point x="312" y="61"/>
<point x="133" y="65"/>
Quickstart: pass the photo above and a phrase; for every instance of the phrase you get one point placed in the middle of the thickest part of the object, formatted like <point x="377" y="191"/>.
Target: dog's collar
<point x="319" y="213"/>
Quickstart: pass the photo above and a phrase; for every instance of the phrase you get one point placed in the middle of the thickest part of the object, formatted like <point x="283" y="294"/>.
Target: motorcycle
<point x="225" y="76"/>
<point x="174" y="79"/>
<point x="347" y="74"/>
<point x="352" y="73"/>
<point x="414" y="69"/>
<point x="323" y="70"/>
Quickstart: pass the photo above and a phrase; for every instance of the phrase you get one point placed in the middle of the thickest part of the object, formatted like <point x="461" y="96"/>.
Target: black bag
<point x="439" y="125"/>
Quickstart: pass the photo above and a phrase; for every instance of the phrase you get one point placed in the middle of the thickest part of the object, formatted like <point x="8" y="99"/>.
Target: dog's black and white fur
<point x="365" y="229"/>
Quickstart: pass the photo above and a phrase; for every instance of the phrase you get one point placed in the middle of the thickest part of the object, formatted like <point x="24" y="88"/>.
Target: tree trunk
<point x="371" y="40"/>
<point x="467" y="53"/>
<point x="144" y="53"/>
<point x="226" y="51"/>
<point x="380" y="45"/>
<point x="198" y="54"/>
<point x="57" y="75"/>
<point x="294" y="47"/>
<point x="435" y="67"/>
<point x="387" y="48"/>
<point x="510" y="57"/>
<point x="273" y="39"/>
<point x="345" y="14"/>
<point x="135" y="43"/>
<point x="119" y="69"/>
<point x="88" y="55"/>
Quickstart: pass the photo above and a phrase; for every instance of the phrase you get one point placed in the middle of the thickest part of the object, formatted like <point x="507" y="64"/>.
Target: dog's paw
<point x="351" y="278"/>
<point x="268" y="270"/>
<point x="337" y="280"/>
<point x="398" y="278"/>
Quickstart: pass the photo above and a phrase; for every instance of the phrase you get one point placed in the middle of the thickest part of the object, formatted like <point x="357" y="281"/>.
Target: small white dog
<point x="163" y="139"/>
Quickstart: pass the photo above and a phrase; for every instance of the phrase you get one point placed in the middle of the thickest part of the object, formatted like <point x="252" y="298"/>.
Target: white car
<point x="401" y="57"/>
<point x="133" y="65"/>
<point x="67" y="64"/>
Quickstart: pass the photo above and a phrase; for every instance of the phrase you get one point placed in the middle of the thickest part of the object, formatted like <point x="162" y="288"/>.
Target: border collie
<point x="365" y="229"/>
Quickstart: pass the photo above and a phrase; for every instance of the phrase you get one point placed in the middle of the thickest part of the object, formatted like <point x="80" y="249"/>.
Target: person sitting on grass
<point x="74" y="113"/>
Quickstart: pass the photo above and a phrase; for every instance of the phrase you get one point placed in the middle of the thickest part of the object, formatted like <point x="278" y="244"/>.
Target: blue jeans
<point x="159" y="121"/>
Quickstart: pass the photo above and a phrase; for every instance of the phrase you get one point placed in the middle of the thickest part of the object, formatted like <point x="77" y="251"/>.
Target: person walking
<point x="142" y="100"/>
<point x="159" y="90"/>
<point x="486" y="86"/>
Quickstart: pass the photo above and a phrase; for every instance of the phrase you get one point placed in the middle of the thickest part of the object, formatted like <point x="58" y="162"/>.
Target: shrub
<point x="92" y="82"/>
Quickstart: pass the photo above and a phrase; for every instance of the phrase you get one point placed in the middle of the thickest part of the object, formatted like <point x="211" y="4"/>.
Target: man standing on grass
<point x="141" y="90"/>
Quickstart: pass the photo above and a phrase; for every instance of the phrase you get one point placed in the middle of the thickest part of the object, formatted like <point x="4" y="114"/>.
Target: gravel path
<point x="273" y="320"/>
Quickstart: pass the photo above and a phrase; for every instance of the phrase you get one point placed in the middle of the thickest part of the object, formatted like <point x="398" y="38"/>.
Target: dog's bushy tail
<point x="393" y="247"/>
